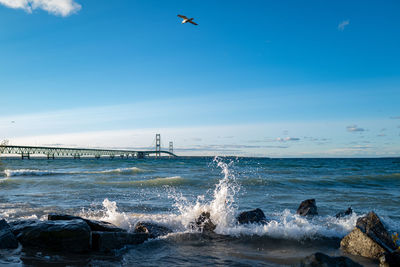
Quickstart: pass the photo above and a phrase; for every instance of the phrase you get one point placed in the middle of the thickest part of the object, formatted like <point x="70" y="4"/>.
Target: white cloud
<point x="57" y="7"/>
<point x="354" y="128"/>
<point x="286" y="139"/>
<point x="343" y="24"/>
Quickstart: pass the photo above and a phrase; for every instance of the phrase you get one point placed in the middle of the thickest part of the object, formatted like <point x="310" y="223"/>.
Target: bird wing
<point x="182" y="16"/>
<point x="194" y="23"/>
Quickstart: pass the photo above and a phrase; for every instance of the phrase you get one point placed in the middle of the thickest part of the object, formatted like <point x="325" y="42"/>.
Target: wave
<point x="35" y="172"/>
<point x="174" y="180"/>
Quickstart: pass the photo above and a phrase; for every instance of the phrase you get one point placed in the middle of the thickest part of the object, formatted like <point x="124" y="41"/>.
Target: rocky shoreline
<point x="75" y="234"/>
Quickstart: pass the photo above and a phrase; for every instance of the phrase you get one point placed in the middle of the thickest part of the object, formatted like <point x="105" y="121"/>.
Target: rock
<point x="252" y="216"/>
<point x="369" y="238"/>
<point x="7" y="238"/>
<point x="71" y="236"/>
<point x="390" y="259"/>
<point x="307" y="208"/>
<point x="107" y="241"/>
<point x="152" y="229"/>
<point x="203" y="223"/>
<point x="321" y="260"/>
<point x="18" y="226"/>
<point x="345" y="213"/>
<point x="93" y="224"/>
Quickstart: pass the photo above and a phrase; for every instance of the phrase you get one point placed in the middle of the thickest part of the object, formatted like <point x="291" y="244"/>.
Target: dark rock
<point x="152" y="229"/>
<point x="369" y="238"/>
<point x="345" y="213"/>
<point x="307" y="208"/>
<point x="18" y="226"/>
<point x="72" y="235"/>
<point x="107" y="241"/>
<point x="252" y="216"/>
<point x="321" y="260"/>
<point x="7" y="238"/>
<point x="93" y="224"/>
<point x="390" y="259"/>
<point x="203" y="223"/>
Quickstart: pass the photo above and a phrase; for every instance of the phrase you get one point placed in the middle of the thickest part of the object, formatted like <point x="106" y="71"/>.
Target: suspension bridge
<point x="52" y="152"/>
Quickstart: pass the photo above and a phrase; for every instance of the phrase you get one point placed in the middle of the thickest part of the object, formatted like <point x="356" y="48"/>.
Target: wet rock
<point x="390" y="259"/>
<point x="16" y="227"/>
<point x="252" y="216"/>
<point x="345" y="213"/>
<point x="7" y="238"/>
<point x="93" y="224"/>
<point x="71" y="236"/>
<point x="107" y="241"/>
<point x="369" y="238"/>
<point x="307" y="208"/>
<point x="152" y="229"/>
<point x="321" y="260"/>
<point x="203" y="223"/>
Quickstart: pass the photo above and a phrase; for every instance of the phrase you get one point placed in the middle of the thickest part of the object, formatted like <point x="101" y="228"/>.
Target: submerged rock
<point x="93" y="224"/>
<point x="252" y="216"/>
<point x="152" y="229"/>
<point x="322" y="260"/>
<point x="107" y="241"/>
<point x="345" y="213"/>
<point x="72" y="235"/>
<point x="369" y="238"/>
<point x="7" y="238"/>
<point x="203" y="223"/>
<point x="307" y="208"/>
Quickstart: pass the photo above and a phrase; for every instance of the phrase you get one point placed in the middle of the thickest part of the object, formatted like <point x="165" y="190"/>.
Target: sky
<point x="255" y="78"/>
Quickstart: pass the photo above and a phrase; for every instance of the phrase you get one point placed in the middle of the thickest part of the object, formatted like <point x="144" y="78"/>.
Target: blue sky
<point x="255" y="78"/>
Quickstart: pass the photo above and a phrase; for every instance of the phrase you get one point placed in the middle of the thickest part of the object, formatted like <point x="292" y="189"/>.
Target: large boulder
<point x="93" y="224"/>
<point x="369" y="238"/>
<point x="108" y="241"/>
<point x="7" y="238"/>
<point x="307" y="208"/>
<point x="252" y="216"/>
<point x="345" y="213"/>
<point x="322" y="260"/>
<point x="72" y="235"/>
<point x="152" y="229"/>
<point x="204" y="223"/>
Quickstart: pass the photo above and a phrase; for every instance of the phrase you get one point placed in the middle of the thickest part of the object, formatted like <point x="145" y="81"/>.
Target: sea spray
<point x="222" y="207"/>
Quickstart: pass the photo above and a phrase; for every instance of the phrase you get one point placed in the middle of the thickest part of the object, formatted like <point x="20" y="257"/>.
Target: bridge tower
<point x="171" y="147"/>
<point x="158" y="145"/>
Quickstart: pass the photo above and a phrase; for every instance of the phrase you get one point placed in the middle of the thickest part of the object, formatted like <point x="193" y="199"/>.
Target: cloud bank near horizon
<point x="62" y="8"/>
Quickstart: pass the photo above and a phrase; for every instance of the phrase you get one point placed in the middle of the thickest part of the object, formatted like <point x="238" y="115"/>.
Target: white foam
<point x="35" y="172"/>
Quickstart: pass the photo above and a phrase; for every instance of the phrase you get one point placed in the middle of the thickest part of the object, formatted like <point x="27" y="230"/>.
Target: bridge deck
<point x="51" y="152"/>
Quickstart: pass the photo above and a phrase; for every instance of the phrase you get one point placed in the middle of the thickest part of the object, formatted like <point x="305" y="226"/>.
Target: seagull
<point x="186" y="19"/>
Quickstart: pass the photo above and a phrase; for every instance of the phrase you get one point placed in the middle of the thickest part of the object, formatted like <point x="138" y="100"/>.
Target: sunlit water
<point x="175" y="191"/>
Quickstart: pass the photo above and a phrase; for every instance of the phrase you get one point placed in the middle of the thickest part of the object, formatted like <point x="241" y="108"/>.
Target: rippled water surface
<point x="174" y="191"/>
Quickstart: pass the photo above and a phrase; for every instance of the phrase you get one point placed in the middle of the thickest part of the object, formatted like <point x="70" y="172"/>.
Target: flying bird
<point x="186" y="19"/>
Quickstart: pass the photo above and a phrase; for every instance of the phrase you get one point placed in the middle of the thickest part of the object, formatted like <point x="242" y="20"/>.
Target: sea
<point x="174" y="191"/>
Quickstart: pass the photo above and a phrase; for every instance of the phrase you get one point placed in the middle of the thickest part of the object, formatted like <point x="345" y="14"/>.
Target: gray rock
<point x="345" y="213"/>
<point x="252" y="216"/>
<point x="93" y="224"/>
<point x="7" y="238"/>
<point x="204" y="223"/>
<point x="108" y="241"/>
<point x="321" y="260"/>
<point x="368" y="239"/>
<point x="71" y="236"/>
<point x="307" y="208"/>
<point x="152" y="229"/>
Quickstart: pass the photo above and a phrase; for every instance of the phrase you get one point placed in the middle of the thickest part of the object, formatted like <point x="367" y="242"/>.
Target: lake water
<point x="174" y="191"/>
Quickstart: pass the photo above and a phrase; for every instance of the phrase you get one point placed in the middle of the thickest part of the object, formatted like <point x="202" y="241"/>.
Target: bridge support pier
<point x="77" y="156"/>
<point x="25" y="156"/>
<point x="50" y="156"/>
<point x="112" y="156"/>
<point x="140" y="155"/>
<point x="97" y="156"/>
